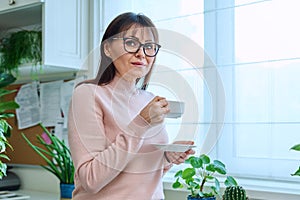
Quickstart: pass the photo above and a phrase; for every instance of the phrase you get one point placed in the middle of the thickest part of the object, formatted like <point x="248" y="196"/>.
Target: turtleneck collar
<point x="119" y="84"/>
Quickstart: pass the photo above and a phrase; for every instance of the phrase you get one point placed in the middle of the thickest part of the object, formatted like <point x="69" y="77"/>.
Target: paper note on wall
<point x="66" y="92"/>
<point x="50" y="102"/>
<point x="29" y="112"/>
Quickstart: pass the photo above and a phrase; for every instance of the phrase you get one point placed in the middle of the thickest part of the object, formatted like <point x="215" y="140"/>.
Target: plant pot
<point x="66" y="191"/>
<point x="200" y="198"/>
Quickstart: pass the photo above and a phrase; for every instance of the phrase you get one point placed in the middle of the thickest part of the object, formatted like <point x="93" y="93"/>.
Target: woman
<point x="112" y="123"/>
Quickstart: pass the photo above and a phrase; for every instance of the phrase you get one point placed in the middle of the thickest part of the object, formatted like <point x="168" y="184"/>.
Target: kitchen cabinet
<point x="65" y="31"/>
<point x="64" y="26"/>
<point x="8" y="5"/>
<point x="20" y="14"/>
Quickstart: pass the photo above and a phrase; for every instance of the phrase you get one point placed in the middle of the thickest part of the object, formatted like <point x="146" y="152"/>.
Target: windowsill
<point x="257" y="189"/>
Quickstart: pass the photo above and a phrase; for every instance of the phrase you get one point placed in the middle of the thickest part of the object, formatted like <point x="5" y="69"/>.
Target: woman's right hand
<point x="179" y="157"/>
<point x="154" y="112"/>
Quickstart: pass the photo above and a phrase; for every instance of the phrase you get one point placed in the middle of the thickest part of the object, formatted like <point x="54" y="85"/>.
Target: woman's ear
<point x="107" y="49"/>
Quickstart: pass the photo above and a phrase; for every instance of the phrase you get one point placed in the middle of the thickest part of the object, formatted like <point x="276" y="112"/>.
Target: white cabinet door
<point x="65" y="33"/>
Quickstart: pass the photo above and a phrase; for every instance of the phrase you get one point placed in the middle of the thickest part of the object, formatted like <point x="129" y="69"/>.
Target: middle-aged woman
<point x="113" y="123"/>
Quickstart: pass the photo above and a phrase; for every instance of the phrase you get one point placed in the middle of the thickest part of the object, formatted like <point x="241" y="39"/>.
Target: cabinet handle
<point x="11" y="2"/>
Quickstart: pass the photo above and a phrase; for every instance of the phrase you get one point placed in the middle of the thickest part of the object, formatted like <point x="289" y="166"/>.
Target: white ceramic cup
<point x="176" y="109"/>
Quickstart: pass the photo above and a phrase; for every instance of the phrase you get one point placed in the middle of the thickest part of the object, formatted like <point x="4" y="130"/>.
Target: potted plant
<point x="296" y="148"/>
<point x="58" y="158"/>
<point x="5" y="128"/>
<point x="201" y="172"/>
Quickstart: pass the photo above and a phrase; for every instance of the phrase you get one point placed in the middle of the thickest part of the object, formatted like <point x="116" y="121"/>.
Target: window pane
<point x="262" y="88"/>
<point x="267" y="30"/>
<point x="252" y="93"/>
<point x="265" y="97"/>
<point x="168" y="9"/>
<point x="286" y="95"/>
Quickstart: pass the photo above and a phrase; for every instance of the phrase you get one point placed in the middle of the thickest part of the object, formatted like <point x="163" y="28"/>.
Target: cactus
<point x="234" y="193"/>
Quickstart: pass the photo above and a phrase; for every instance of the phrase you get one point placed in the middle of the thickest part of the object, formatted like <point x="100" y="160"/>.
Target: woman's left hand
<point x="179" y="157"/>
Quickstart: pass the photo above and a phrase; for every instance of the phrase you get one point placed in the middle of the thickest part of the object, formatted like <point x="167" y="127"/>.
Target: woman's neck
<point x="121" y="84"/>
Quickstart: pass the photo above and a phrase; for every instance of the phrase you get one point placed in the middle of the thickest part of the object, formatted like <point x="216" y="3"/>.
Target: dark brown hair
<point x="121" y="23"/>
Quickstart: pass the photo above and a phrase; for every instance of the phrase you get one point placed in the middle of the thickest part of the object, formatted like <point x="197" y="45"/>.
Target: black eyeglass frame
<point x="141" y="45"/>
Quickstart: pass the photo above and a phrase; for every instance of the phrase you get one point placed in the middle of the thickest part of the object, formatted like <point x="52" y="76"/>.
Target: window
<point x="261" y="85"/>
<point x="256" y="47"/>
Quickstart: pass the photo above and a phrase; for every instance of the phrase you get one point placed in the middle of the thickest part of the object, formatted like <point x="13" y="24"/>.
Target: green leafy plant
<point x="19" y="48"/>
<point x="56" y="154"/>
<point x="235" y="192"/>
<point x="296" y="148"/>
<point x="202" y="171"/>
<point x="5" y="128"/>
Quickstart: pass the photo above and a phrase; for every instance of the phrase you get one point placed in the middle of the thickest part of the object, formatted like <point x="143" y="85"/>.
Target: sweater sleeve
<point x="97" y="160"/>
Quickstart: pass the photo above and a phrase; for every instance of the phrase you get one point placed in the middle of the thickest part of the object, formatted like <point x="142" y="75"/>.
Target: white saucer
<point x="174" y="147"/>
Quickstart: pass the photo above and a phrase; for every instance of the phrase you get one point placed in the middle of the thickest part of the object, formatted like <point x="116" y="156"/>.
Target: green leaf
<point x="4" y="92"/>
<point x="220" y="169"/>
<point x="2" y="146"/>
<point x="4" y="129"/>
<point x="210" y="168"/>
<point x="188" y="161"/>
<point x="196" y="162"/>
<point x="198" y="180"/>
<point x="193" y="184"/>
<point x="177" y="185"/>
<point x="6" y="115"/>
<point x="189" y="180"/>
<point x="205" y="159"/>
<point x="214" y="190"/>
<point x="207" y="194"/>
<point x="296" y="147"/>
<point x="178" y="174"/>
<point x="297" y="173"/>
<point x="3" y="168"/>
<point x="230" y="181"/>
<point x="6" y="79"/>
<point x="9" y="105"/>
<point x="201" y="194"/>
<point x="4" y="156"/>
<point x="219" y="163"/>
<point x="188" y="173"/>
<point x="217" y="185"/>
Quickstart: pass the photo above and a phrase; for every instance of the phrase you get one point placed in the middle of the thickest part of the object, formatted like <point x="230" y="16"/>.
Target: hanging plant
<point x="19" y="48"/>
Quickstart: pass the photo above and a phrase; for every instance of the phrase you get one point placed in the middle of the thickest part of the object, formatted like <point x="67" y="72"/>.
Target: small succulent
<point x="234" y="193"/>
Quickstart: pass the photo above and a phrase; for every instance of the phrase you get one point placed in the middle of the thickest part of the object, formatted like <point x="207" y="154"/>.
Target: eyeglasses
<point x="132" y="45"/>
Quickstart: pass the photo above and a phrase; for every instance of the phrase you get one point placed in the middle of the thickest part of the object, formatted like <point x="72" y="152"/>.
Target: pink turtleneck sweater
<point x="111" y="144"/>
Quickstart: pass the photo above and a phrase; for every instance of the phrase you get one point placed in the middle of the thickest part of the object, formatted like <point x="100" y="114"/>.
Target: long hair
<point x="121" y="23"/>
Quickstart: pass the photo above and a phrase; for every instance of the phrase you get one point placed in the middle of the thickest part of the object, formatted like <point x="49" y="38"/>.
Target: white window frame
<point x="219" y="45"/>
